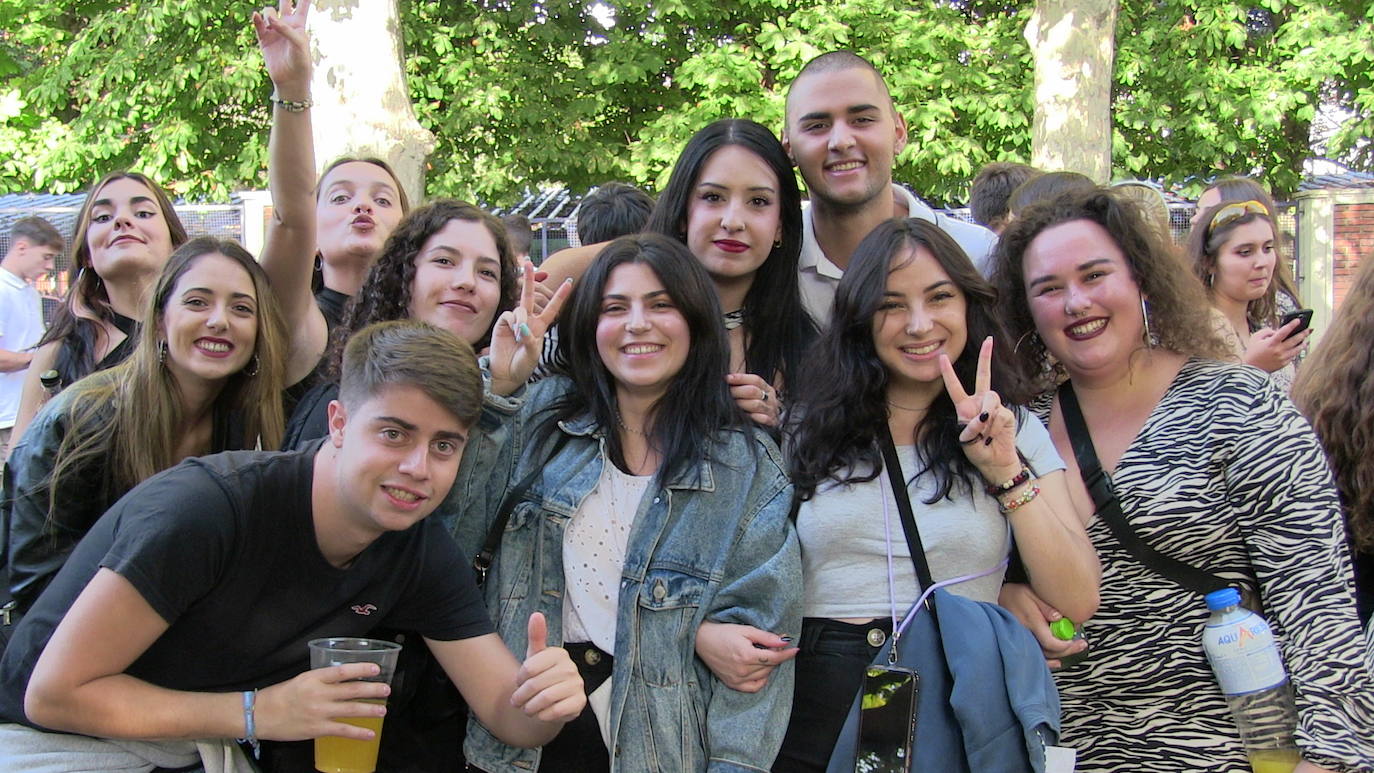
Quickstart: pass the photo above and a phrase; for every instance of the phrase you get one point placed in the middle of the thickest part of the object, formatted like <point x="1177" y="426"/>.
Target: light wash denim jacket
<point x="713" y="543"/>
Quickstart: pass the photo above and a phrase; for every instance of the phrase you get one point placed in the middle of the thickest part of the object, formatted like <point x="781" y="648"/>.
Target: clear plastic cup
<point x="346" y="755"/>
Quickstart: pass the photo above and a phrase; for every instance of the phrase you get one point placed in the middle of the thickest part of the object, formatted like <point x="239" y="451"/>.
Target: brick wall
<point x="1354" y="242"/>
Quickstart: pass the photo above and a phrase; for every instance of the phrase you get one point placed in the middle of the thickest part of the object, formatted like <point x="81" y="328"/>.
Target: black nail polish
<point x="787" y="639"/>
<point x="987" y="442"/>
<point x="983" y="416"/>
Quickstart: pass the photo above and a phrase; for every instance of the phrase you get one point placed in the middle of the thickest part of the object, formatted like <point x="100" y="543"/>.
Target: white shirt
<point x="21" y="325"/>
<point x="845" y="545"/>
<point x="818" y="276"/>
<point x="594" y="545"/>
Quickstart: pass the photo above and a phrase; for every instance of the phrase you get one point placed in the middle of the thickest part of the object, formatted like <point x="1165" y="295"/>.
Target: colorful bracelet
<point x="250" y="728"/>
<point x="1018" y="479"/>
<point x="1020" y="500"/>
<point x="291" y="106"/>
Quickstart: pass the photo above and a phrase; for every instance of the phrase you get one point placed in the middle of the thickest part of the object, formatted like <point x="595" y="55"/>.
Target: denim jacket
<point x="712" y="543"/>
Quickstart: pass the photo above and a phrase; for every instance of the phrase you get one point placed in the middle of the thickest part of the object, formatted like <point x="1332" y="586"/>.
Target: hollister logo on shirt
<point x="364" y="609"/>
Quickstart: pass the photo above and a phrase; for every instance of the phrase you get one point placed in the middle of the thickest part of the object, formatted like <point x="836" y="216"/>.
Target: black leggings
<point x="830" y="672"/>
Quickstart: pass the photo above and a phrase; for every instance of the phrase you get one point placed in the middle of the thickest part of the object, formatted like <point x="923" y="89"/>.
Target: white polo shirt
<point x="818" y="276"/>
<point x="21" y="325"/>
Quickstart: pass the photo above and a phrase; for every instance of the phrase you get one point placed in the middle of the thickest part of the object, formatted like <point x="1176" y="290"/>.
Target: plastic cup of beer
<point x="346" y="755"/>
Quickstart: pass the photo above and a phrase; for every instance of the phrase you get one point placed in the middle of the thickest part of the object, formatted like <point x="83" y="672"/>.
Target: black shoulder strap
<point x="1099" y="485"/>
<point x="913" y="535"/>
<point x="482" y="563"/>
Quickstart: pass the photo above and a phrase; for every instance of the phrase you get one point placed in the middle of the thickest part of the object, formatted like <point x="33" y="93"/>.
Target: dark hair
<point x="1204" y="248"/>
<point x="38" y="232"/>
<point x="842" y="405"/>
<point x="611" y="211"/>
<point x="519" y="233"/>
<point x="411" y="353"/>
<point x="373" y="160"/>
<point x="839" y="61"/>
<point x="385" y="294"/>
<point x="1047" y="186"/>
<point x="697" y="403"/>
<point x="1180" y="315"/>
<point x="778" y="327"/>
<point x="75" y="322"/>
<point x="1232" y="189"/>
<point x="989" y="198"/>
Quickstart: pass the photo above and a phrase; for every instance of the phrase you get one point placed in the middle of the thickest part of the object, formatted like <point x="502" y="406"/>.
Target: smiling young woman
<point x="206" y="376"/>
<point x="1212" y="466"/>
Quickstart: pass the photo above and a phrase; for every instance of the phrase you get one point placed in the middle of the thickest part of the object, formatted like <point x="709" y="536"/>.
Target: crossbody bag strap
<point x="1108" y="506"/>
<point x="913" y="535"/>
<point x="482" y="563"/>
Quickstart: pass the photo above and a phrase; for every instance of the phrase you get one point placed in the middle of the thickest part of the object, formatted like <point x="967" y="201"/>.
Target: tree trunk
<point x="1073" y="42"/>
<point x="362" y="104"/>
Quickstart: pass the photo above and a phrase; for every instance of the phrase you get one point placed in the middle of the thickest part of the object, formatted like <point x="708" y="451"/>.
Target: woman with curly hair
<point x="1335" y="392"/>
<point x="206" y="376"/>
<point x="1209" y="465"/>
<point x="1235" y="253"/>
<point x="447" y="263"/>
<point x="124" y="233"/>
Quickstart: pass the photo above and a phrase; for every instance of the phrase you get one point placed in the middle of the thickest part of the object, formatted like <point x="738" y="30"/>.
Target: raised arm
<point x="289" y="254"/>
<point x="79" y="684"/>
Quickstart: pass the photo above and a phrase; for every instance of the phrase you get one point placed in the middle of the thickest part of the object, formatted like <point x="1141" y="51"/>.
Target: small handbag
<point x="986" y="701"/>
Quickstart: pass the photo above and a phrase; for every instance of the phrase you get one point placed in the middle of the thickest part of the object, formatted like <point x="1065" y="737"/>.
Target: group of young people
<point x="666" y="483"/>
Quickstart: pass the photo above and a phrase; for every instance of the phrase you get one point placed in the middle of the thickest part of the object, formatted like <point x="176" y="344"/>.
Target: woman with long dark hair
<point x="913" y="323"/>
<point x="733" y="200"/>
<point x="649" y="505"/>
<point x="125" y="231"/>
<point x="206" y="376"/>
<point x="1210" y="465"/>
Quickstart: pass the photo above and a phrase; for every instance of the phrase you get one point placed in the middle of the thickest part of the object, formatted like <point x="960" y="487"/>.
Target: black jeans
<point x="830" y="672"/>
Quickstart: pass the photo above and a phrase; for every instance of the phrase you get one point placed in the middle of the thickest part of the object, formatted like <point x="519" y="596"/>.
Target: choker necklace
<point x="625" y="427"/>
<point x="732" y="319"/>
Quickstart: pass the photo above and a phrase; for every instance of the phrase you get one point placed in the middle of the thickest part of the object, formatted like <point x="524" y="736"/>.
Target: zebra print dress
<point x="1227" y="476"/>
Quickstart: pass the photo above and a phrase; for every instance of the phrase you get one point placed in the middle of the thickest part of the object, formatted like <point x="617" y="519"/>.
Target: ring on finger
<point x="971" y="440"/>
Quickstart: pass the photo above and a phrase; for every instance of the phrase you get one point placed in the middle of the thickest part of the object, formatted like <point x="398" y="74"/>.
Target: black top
<point x="331" y="303"/>
<point x="74" y="356"/>
<point x="223" y="547"/>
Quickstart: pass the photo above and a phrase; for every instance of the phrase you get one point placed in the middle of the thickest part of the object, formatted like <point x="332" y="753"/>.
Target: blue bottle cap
<point x="1221" y="599"/>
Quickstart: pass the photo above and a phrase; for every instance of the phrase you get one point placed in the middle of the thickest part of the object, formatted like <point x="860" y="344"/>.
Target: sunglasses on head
<point x="1233" y="212"/>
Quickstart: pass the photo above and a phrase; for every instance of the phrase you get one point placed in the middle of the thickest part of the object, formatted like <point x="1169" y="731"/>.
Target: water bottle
<point x="1241" y="649"/>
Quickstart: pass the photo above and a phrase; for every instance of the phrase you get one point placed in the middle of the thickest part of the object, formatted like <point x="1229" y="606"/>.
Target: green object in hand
<point x="1063" y="629"/>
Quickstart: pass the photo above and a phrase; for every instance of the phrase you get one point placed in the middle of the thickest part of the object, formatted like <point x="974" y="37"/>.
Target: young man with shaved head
<point x="844" y="133"/>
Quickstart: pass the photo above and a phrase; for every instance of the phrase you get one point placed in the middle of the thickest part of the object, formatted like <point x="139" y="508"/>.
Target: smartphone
<point x="887" y="720"/>
<point x="1304" y="317"/>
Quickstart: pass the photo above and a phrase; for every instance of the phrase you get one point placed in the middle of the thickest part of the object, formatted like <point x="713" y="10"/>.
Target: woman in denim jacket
<point x="653" y="507"/>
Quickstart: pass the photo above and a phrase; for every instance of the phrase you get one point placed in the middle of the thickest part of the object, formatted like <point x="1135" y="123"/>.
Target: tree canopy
<point x="520" y="94"/>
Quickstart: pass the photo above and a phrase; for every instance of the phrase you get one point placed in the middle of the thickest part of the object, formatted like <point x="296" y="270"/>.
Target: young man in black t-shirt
<point x="198" y="591"/>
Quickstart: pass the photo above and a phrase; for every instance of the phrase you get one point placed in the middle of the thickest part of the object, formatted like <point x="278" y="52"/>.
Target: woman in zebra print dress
<point x="1213" y="466"/>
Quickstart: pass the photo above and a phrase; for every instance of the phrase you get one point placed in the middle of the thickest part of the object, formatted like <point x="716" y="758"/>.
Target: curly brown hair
<point x="385" y="294"/>
<point x="1336" y="394"/>
<point x="1204" y="249"/>
<point x="1180" y="316"/>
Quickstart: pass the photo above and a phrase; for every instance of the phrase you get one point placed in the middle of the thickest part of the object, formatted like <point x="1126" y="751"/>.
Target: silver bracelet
<point x="292" y="106"/>
<point x="250" y="728"/>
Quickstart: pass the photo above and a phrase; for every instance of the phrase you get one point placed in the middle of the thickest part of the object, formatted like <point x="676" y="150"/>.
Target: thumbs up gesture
<point x="548" y="686"/>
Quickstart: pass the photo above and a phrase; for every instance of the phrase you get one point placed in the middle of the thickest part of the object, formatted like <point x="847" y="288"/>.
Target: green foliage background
<point x="519" y="94"/>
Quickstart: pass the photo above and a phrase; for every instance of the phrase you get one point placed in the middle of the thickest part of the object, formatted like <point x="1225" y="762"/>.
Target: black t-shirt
<point x="223" y="548"/>
<point x="331" y="303"/>
<point x="310" y="416"/>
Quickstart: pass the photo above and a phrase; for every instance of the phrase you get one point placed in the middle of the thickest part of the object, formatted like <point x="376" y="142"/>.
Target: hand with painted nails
<point x="518" y="337"/>
<point x="755" y="397"/>
<point x="741" y="656"/>
<point x="987" y="428"/>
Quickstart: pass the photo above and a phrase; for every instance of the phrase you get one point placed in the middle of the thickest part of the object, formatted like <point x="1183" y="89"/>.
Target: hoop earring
<point x="777" y="242"/>
<point x="256" y="366"/>
<point x="1151" y="341"/>
<point x="162" y="352"/>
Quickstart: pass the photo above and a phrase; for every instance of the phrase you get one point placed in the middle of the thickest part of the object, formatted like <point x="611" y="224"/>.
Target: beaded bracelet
<point x="291" y="106"/>
<point x="1018" y="479"/>
<point x="1020" y="500"/>
<point x="250" y="728"/>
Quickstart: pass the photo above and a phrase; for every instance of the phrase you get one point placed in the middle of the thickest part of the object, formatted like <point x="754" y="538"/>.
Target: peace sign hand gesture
<point x="989" y="428"/>
<point x="518" y="336"/>
<point x="285" y="46"/>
